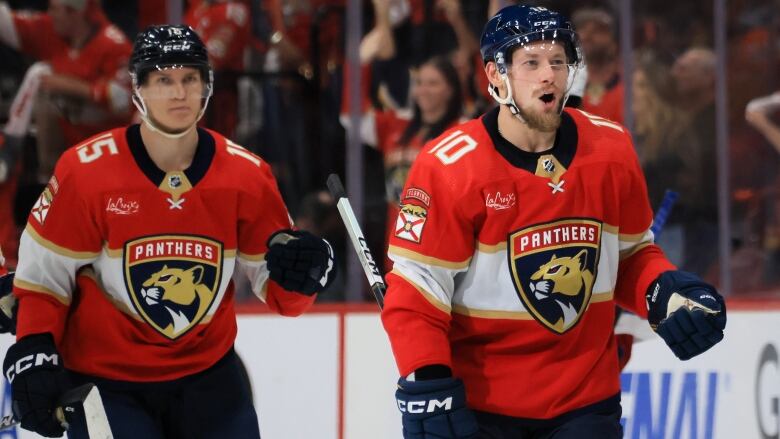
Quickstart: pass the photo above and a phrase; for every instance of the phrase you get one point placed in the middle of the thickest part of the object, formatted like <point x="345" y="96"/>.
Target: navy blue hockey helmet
<point x="165" y="46"/>
<point x="518" y="25"/>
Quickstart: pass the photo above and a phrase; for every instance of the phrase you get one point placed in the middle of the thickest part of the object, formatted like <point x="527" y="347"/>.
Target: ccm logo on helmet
<point x="424" y="406"/>
<point x="546" y="23"/>
<point x="29" y="361"/>
<point x="176" y="47"/>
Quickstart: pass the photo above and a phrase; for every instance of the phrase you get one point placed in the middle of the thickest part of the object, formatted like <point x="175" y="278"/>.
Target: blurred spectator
<point x="301" y="135"/>
<point x="439" y="28"/>
<point x="225" y="28"/>
<point x="81" y="87"/>
<point x="662" y="139"/>
<point x="693" y="74"/>
<point x="465" y="58"/>
<point x="304" y="30"/>
<point x="758" y="114"/>
<point x="10" y="149"/>
<point x="151" y="12"/>
<point x="434" y="28"/>
<point x="764" y="205"/>
<point x="399" y="135"/>
<point x="604" y="90"/>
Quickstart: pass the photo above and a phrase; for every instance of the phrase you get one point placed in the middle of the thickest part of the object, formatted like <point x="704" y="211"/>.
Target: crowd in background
<point x="280" y="87"/>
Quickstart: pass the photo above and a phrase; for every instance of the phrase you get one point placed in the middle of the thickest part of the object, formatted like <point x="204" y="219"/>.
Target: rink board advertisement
<point x="330" y="375"/>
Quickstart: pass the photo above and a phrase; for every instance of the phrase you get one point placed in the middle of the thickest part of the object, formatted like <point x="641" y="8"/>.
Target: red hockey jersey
<point x="130" y="268"/>
<point x="509" y="275"/>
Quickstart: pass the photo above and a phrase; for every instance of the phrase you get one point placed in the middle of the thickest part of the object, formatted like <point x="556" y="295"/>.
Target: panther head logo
<point x="412" y="209"/>
<point x="180" y="293"/>
<point x="566" y="281"/>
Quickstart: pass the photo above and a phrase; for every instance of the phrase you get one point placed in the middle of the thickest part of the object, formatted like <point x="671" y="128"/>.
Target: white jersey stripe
<point x="30" y="231"/>
<point x="51" y="270"/>
<point x="253" y="268"/>
<point x="487" y="290"/>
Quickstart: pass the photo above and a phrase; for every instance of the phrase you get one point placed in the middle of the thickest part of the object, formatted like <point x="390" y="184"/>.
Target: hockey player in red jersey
<point x="126" y="263"/>
<point x="518" y="233"/>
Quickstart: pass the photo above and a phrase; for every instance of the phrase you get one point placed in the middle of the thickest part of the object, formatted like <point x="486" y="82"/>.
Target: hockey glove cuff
<point x="686" y="312"/>
<point x="435" y="409"/>
<point x="301" y="262"/>
<point x="34" y="368"/>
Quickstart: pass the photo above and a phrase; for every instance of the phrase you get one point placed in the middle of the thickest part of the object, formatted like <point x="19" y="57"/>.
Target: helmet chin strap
<point x="139" y="103"/>
<point x="509" y="100"/>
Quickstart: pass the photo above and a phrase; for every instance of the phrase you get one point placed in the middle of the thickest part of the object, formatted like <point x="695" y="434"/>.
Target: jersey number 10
<point x="451" y="148"/>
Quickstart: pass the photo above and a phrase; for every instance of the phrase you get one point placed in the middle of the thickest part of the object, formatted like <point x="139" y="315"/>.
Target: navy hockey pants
<point x="598" y="421"/>
<point x="215" y="403"/>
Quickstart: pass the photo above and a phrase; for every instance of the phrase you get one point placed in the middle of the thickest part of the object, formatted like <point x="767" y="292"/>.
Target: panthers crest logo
<point x="554" y="269"/>
<point x="173" y="280"/>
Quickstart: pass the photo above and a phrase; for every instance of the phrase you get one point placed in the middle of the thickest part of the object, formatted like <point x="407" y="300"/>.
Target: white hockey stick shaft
<point x="359" y="243"/>
<point x="95" y="414"/>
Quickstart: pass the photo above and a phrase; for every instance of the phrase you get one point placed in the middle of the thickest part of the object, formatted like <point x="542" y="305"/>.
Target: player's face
<point x="431" y="91"/>
<point x="539" y="74"/>
<point x="173" y="97"/>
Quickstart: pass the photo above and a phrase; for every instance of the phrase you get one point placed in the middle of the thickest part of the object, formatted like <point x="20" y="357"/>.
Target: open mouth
<point x="547" y="98"/>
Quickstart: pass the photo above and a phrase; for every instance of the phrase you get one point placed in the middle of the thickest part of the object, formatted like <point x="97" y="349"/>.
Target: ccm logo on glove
<point x="420" y="406"/>
<point x="27" y="362"/>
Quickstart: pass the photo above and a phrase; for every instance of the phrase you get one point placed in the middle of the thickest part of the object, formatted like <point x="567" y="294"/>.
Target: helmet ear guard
<point x="508" y="100"/>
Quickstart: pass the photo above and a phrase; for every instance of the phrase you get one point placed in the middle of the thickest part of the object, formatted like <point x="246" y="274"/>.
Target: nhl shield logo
<point x="553" y="267"/>
<point x="172" y="280"/>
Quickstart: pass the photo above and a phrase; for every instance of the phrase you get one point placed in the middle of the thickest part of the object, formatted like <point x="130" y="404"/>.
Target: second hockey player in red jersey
<point x="517" y="233"/>
<point x="126" y="264"/>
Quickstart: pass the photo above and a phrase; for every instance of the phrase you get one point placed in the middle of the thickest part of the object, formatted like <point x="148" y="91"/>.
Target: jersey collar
<point x="204" y="154"/>
<point x="563" y="149"/>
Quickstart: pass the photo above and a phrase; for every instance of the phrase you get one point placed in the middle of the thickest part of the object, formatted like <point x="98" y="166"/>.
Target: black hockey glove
<point x="8" y="304"/>
<point x="686" y="312"/>
<point x="299" y="261"/>
<point x="34" y="368"/>
<point x="435" y="409"/>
